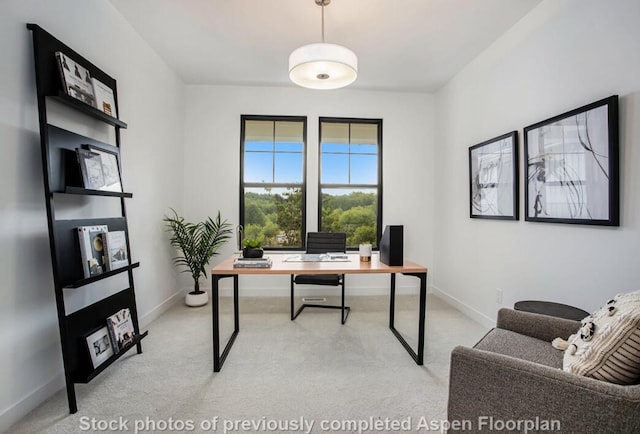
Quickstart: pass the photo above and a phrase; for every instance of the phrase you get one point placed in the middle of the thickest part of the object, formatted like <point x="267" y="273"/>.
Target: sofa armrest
<point x="485" y="385"/>
<point x="543" y="327"/>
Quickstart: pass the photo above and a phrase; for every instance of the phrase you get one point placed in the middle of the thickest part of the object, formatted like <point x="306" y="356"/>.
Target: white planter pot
<point x="196" y="299"/>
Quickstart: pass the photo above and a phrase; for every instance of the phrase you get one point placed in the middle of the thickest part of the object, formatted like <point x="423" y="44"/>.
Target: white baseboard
<point x="154" y="313"/>
<point x="13" y="414"/>
<point x="464" y="308"/>
<point x="20" y="409"/>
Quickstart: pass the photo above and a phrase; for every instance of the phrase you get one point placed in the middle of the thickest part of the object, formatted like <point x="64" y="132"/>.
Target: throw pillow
<point x="607" y="345"/>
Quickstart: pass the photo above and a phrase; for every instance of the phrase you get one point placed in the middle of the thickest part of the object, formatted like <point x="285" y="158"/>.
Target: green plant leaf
<point x="197" y="243"/>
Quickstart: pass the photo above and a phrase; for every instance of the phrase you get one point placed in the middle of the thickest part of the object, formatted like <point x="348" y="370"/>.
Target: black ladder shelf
<point x="57" y="146"/>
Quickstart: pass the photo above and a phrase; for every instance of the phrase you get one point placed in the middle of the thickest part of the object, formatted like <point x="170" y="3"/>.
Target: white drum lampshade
<point x="323" y="66"/>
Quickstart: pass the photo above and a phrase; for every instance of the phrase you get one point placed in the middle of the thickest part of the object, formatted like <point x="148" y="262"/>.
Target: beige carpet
<point x="309" y="375"/>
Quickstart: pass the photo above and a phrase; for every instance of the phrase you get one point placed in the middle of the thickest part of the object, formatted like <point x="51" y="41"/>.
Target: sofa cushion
<point x="520" y="346"/>
<point x="607" y="346"/>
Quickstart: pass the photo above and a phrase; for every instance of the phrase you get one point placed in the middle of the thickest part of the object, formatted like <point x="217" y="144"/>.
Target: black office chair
<point x="318" y="243"/>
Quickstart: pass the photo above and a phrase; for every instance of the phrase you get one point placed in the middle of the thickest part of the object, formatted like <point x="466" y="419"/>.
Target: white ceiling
<point x="402" y="45"/>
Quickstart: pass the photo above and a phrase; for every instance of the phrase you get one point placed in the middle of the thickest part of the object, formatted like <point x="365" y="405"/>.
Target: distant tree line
<point x="276" y="219"/>
<point x="354" y="214"/>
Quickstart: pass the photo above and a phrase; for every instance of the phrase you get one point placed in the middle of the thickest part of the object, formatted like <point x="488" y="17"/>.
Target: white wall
<point x="560" y="56"/>
<point x="212" y="159"/>
<point x="152" y="102"/>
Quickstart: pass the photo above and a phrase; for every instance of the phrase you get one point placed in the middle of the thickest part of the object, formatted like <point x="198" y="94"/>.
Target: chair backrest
<point x="324" y="242"/>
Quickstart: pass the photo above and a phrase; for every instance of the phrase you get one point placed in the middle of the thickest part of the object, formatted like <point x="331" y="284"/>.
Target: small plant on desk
<point x="252" y="248"/>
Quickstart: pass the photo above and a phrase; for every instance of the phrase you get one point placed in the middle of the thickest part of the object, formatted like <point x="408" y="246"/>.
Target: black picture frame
<point x="572" y="166"/>
<point x="493" y="178"/>
<point x="90" y="169"/>
<point x="110" y="167"/>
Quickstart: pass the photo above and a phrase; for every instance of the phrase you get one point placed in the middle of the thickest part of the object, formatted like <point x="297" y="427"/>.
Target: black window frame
<point x="349" y="120"/>
<point x="303" y="186"/>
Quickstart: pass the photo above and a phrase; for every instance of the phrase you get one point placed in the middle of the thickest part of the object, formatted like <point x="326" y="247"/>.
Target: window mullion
<point x="349" y="156"/>
<point x="273" y="154"/>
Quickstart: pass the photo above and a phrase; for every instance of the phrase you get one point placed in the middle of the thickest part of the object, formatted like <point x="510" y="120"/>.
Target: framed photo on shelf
<point x="493" y="178"/>
<point x="99" y="346"/>
<point x="110" y="168"/>
<point x="91" y="169"/>
<point x="571" y="171"/>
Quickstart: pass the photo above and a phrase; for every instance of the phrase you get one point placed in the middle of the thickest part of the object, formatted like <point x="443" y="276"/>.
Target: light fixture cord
<point x="323" y="22"/>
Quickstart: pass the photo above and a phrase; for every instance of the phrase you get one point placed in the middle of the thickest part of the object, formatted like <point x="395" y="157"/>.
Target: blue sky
<point x="259" y="163"/>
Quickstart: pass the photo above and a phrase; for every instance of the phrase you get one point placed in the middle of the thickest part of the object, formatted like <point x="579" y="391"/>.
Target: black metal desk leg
<point x="421" y="319"/>
<point x="419" y="356"/>
<point x="392" y="302"/>
<point x="218" y="358"/>
<point x="215" y="315"/>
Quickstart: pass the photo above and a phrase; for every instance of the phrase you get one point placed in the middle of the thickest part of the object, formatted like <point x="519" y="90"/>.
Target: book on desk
<point x="252" y="263"/>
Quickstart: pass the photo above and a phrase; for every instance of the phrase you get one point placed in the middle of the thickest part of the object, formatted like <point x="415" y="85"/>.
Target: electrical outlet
<point x="499" y="295"/>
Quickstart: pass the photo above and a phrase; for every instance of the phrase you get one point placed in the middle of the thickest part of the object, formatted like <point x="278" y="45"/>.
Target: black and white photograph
<point x="99" y="346"/>
<point x="76" y="79"/>
<point x="493" y="176"/>
<point x="110" y="168"/>
<point x="91" y="167"/>
<point x="571" y="172"/>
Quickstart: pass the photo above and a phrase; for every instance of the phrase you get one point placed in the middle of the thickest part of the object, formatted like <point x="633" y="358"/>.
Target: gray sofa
<point x="512" y="381"/>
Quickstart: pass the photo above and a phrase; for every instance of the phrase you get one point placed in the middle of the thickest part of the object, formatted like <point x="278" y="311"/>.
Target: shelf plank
<point x="88" y="110"/>
<point x="90" y="192"/>
<point x="85" y="378"/>
<point x="83" y="282"/>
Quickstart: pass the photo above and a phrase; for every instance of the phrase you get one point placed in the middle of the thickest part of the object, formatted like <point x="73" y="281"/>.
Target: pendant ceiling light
<point x="322" y="65"/>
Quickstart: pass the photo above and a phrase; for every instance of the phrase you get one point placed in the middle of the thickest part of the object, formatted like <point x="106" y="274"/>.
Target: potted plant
<point x="197" y="244"/>
<point x="252" y="248"/>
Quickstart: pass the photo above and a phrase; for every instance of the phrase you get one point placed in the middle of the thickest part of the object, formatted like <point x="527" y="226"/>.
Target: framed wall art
<point x="99" y="346"/>
<point x="91" y="169"/>
<point x="110" y="167"/>
<point x="493" y="176"/>
<point x="571" y="171"/>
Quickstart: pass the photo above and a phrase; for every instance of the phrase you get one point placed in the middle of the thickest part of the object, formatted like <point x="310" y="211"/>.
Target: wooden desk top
<point x="353" y="266"/>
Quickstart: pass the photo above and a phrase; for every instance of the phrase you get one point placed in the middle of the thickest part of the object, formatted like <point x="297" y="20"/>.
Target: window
<point x="272" y="179"/>
<point x="350" y="186"/>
